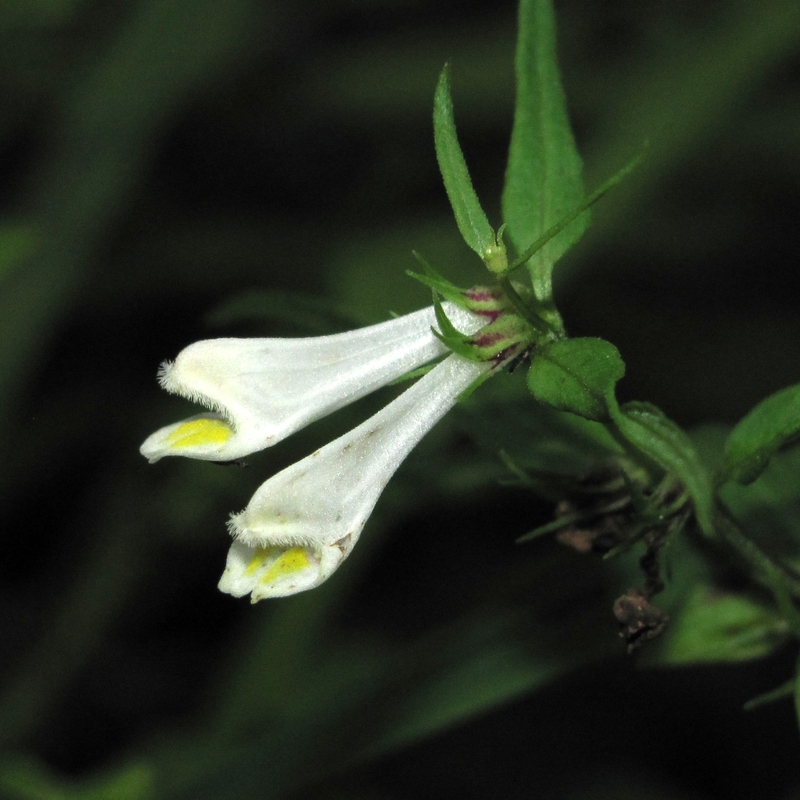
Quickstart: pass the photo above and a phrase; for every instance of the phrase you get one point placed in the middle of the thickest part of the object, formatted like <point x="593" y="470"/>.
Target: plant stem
<point x="533" y="310"/>
<point x="782" y="584"/>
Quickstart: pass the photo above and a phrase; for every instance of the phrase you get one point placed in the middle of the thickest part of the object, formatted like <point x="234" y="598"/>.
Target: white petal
<point x="315" y="509"/>
<point x="262" y="390"/>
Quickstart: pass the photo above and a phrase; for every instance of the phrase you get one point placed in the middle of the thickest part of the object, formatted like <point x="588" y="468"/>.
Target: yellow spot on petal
<point x="198" y="432"/>
<point x="290" y="562"/>
<point x="260" y="558"/>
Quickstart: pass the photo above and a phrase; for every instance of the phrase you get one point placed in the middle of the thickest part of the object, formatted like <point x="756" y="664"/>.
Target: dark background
<point x="176" y="171"/>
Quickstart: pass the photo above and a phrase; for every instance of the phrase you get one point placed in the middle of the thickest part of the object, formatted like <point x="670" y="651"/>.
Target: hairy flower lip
<point x="259" y="391"/>
<point x="237" y="582"/>
<point x="321" y="503"/>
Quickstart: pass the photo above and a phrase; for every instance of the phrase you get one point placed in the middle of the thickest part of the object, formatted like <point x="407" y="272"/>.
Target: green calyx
<point x="484" y="300"/>
<point x="492" y="301"/>
<point x="506" y="336"/>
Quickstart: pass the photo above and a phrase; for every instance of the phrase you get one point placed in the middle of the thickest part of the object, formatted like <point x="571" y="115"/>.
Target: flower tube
<point x="304" y="521"/>
<point x="258" y="391"/>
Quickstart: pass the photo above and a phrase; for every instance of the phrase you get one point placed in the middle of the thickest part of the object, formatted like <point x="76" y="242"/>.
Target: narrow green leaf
<point x="551" y="527"/>
<point x="647" y="428"/>
<point x="538" y="439"/>
<point x="436" y="281"/>
<point x="23" y="778"/>
<point x="450" y="336"/>
<point x="778" y="693"/>
<point x="472" y="222"/>
<point x="18" y="242"/>
<point x="543" y="176"/>
<point x="446" y="327"/>
<point x="773" y="423"/>
<point x="575" y="375"/>
<point x="477" y="383"/>
<point x="413" y="375"/>
<point x="565" y="221"/>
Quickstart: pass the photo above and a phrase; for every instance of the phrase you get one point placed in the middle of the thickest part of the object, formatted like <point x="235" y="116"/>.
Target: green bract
<point x="647" y="428"/>
<point x="440" y="285"/>
<point x="575" y="375"/>
<point x="499" y="341"/>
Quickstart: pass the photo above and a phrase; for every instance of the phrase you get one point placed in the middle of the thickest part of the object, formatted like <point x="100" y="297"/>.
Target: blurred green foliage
<point x="173" y="171"/>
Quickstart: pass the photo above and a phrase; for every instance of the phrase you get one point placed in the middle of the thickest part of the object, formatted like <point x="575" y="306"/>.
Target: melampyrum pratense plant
<point x="649" y="489"/>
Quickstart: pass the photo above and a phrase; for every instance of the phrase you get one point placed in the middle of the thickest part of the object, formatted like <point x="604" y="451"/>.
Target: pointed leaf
<point x="773" y="423"/>
<point x="647" y="428"/>
<point x="451" y="337"/>
<point x="575" y="375"/>
<point x="773" y="695"/>
<point x="566" y="220"/>
<point x="550" y="527"/>
<point x="436" y="281"/>
<point x="543" y="177"/>
<point x="23" y="778"/>
<point x="472" y="222"/>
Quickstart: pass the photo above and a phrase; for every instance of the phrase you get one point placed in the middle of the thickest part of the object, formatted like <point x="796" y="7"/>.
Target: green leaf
<point x="575" y="375"/>
<point x="446" y="328"/>
<point x="387" y="695"/>
<point x="773" y="423"/>
<point x="484" y="668"/>
<point x="565" y="221"/>
<point x="769" y="508"/>
<point x="647" y="428"/>
<point x="413" y="375"/>
<point x="534" y="437"/>
<point x="23" y="778"/>
<point x="18" y="242"/>
<point x="550" y="527"/>
<point x="472" y="222"/>
<point x="543" y="176"/>
<point x="450" y="336"/>
<point x="721" y="627"/>
<point x="773" y="695"/>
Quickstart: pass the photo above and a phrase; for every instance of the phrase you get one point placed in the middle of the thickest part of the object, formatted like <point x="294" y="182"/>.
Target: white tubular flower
<point x="259" y="391"/>
<point x="303" y="522"/>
